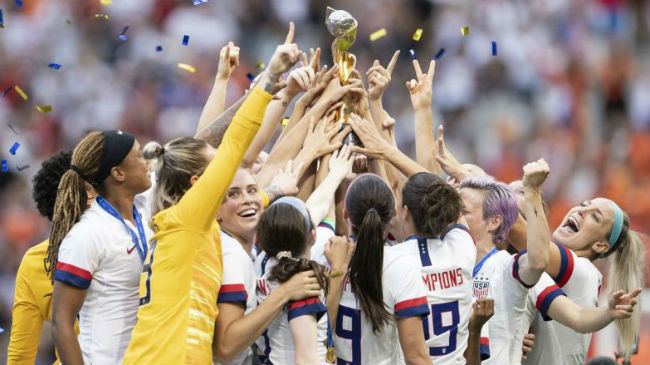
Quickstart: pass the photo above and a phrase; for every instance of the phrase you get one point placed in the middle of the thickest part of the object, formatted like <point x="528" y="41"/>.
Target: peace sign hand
<point x="421" y="90"/>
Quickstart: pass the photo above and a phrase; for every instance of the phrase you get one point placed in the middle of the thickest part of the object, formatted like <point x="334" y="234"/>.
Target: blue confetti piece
<point x="53" y="65"/>
<point x="412" y="53"/>
<point x="2" y="25"/>
<point x="7" y="91"/>
<point x="158" y="48"/>
<point x="19" y="3"/>
<point x="14" y="148"/>
<point x="199" y="2"/>
<point x="186" y="39"/>
<point x="5" y="167"/>
<point x="439" y="54"/>
<point x="123" y="36"/>
<point x="250" y="76"/>
<point x="494" y="48"/>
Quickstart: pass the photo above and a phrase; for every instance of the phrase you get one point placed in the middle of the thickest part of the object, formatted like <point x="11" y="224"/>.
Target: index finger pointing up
<point x="290" y="35"/>
<point x="432" y="70"/>
<point x="393" y="62"/>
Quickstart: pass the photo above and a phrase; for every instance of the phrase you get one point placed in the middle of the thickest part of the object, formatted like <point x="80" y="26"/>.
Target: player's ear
<point x="494" y="222"/>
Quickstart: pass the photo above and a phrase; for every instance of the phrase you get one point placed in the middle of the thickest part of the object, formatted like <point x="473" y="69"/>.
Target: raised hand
<point x="341" y="162"/>
<point x="285" y="56"/>
<point x="228" y="60"/>
<point x="621" y="305"/>
<point x="482" y="311"/>
<point x="535" y="174"/>
<point x="447" y="161"/>
<point x="373" y="144"/>
<point x="286" y="180"/>
<point x="338" y="252"/>
<point x="302" y="78"/>
<point x="379" y="77"/>
<point x="421" y="90"/>
<point x="323" y="138"/>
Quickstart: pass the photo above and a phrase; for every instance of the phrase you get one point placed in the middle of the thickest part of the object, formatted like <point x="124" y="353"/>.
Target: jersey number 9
<point x="435" y="318"/>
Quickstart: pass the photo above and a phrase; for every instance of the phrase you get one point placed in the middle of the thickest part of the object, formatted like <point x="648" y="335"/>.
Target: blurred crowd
<point x="570" y="82"/>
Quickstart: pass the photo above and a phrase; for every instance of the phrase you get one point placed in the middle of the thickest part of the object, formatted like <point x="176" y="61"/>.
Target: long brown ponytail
<point x="370" y="205"/>
<point x="71" y="197"/>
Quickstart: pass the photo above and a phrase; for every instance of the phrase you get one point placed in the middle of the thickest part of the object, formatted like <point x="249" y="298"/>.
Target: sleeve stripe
<point x="303" y="302"/>
<point x="412" y="308"/>
<point x="566" y="266"/>
<point x="71" y="269"/>
<point x="545" y="299"/>
<point x="309" y="306"/>
<point x="484" y="348"/>
<point x="410" y="303"/>
<point x="71" y="279"/>
<point x="232" y="297"/>
<point x="229" y="288"/>
<point x="515" y="269"/>
<point x="327" y="223"/>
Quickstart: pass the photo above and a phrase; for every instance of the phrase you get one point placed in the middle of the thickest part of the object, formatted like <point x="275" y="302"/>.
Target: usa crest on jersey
<point x="481" y="286"/>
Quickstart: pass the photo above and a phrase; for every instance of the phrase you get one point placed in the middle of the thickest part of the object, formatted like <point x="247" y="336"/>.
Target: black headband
<point x="117" y="145"/>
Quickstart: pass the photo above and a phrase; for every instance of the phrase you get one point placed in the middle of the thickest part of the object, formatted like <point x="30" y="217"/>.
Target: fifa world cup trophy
<point x="343" y="26"/>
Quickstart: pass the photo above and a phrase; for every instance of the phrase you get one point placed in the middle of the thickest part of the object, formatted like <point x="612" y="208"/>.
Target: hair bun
<point x="152" y="150"/>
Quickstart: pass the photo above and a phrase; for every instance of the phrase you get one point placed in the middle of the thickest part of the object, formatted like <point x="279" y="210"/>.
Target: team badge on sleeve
<point x="481" y="286"/>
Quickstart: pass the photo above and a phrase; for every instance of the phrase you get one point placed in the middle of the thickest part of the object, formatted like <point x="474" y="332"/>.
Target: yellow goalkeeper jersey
<point x="32" y="306"/>
<point x="183" y="270"/>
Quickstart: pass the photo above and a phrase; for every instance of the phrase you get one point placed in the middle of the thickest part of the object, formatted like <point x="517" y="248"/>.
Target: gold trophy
<point x="343" y="26"/>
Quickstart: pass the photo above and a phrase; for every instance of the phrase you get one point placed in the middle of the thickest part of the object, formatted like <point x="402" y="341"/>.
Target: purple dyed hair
<point x="499" y="200"/>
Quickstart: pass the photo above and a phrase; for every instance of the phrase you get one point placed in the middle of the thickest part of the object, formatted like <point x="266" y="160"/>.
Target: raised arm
<point x="319" y="202"/>
<point x="228" y="60"/>
<point x="299" y="80"/>
<point x="534" y="262"/>
<point x="588" y="320"/>
<point x="378" y="80"/>
<point x="213" y="133"/>
<point x="375" y="146"/>
<point x="214" y="182"/>
<point x="421" y="91"/>
<point x="338" y="251"/>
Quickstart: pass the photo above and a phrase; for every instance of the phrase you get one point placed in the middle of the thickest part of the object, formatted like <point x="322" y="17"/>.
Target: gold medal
<point x="331" y="355"/>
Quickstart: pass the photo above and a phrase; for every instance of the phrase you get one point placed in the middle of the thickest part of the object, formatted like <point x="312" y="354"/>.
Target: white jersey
<point x="580" y="280"/>
<point x="404" y="296"/>
<point x="546" y="349"/>
<point x="446" y="267"/>
<point x="276" y="344"/>
<point x="497" y="277"/>
<point x="100" y="256"/>
<point x="238" y="284"/>
<point x="324" y="232"/>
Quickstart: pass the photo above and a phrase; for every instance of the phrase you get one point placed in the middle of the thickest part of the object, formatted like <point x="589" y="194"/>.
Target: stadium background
<point x="570" y="82"/>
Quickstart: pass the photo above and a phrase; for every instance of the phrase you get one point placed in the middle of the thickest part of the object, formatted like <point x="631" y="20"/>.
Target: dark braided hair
<point x="434" y="204"/>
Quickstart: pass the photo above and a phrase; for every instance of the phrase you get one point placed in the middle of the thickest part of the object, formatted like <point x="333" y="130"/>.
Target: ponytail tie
<point x="284" y="254"/>
<point x="78" y="171"/>
<point x="371" y="210"/>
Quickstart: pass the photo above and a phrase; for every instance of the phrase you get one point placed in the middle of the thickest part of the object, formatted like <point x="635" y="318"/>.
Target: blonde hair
<point x="174" y="165"/>
<point x="626" y="271"/>
<point x="71" y="197"/>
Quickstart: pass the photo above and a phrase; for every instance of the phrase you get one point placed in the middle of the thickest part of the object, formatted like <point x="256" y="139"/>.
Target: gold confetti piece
<point x="44" y="108"/>
<point x="20" y="92"/>
<point x="106" y="2"/>
<point x="261" y="65"/>
<point x="186" y="67"/>
<point x="464" y="30"/>
<point x="285" y="121"/>
<point x="377" y="34"/>
<point x="417" y="34"/>
<point x="100" y="15"/>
